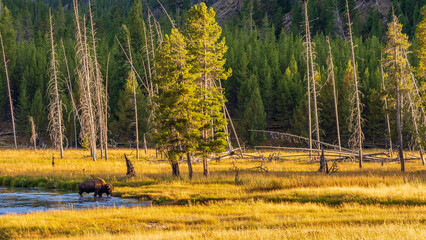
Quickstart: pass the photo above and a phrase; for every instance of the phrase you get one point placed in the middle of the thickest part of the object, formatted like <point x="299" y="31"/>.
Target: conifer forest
<point x="217" y="104"/>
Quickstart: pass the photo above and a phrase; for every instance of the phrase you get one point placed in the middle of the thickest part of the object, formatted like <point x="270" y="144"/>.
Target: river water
<point x="26" y="201"/>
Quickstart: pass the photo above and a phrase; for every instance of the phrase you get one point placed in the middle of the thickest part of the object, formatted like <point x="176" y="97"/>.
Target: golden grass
<point x="291" y="201"/>
<point x="224" y="220"/>
<point x="286" y="181"/>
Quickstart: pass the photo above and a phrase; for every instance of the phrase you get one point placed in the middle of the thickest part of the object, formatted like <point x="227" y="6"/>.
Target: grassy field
<point x="290" y="201"/>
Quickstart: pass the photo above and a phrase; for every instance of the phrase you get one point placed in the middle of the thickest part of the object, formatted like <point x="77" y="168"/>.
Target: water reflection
<point x="25" y="201"/>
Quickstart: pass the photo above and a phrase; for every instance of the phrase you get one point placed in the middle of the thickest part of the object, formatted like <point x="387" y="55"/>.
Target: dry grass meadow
<point x="290" y="201"/>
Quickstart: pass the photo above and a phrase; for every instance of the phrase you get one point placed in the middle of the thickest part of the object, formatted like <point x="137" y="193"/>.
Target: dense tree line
<point x="267" y="89"/>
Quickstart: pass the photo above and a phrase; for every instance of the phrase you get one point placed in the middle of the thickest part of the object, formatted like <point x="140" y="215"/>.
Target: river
<point x="26" y="201"/>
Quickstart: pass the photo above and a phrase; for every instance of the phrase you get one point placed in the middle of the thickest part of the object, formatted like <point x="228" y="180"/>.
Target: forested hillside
<point x="266" y="52"/>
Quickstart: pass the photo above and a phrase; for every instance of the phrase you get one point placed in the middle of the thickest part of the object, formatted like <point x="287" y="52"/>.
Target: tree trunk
<point x="358" y="128"/>
<point x="58" y="102"/>
<point x="175" y="169"/>
<point x="205" y="167"/>
<point x="9" y="92"/>
<point x="74" y="107"/>
<point x="398" y="125"/>
<point x="130" y="169"/>
<point x="106" y="109"/>
<point x="188" y="155"/>
<point x="323" y="167"/>
<point x="308" y="79"/>
<point x="334" y="95"/>
<point x="134" y="99"/>
<point x="144" y="143"/>
<point x="386" y="107"/>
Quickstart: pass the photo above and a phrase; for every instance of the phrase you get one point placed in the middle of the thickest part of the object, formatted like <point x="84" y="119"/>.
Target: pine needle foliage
<point x="176" y="113"/>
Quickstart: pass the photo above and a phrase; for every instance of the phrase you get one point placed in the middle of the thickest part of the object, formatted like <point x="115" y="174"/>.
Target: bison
<point x="96" y="185"/>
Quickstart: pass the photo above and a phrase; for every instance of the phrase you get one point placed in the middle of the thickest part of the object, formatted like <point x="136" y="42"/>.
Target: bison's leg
<point x="81" y="193"/>
<point x="96" y="193"/>
<point x="100" y="194"/>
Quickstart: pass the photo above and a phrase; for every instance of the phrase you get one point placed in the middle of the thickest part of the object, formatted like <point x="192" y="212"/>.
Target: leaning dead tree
<point x="357" y="135"/>
<point x="86" y="81"/>
<point x="8" y="90"/>
<point x="33" y="138"/>
<point x="331" y="74"/>
<point x="56" y="126"/>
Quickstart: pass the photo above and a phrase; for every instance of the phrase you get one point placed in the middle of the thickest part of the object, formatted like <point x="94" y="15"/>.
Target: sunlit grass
<point x="290" y="201"/>
<point x="224" y="220"/>
<point x="285" y="181"/>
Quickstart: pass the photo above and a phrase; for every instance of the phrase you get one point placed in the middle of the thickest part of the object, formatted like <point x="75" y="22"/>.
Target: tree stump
<point x="323" y="167"/>
<point x="130" y="169"/>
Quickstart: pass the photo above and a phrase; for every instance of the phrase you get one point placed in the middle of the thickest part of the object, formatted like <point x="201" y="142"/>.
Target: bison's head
<point x="107" y="188"/>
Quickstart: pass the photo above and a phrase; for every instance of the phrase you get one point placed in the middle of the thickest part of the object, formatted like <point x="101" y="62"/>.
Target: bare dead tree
<point x="386" y="107"/>
<point x="331" y="74"/>
<point x="415" y="119"/>
<point x="55" y="128"/>
<point x="99" y="87"/>
<point x="33" y="138"/>
<point x="308" y="79"/>
<point x="106" y="109"/>
<point x="132" y="75"/>
<point x="357" y="136"/>
<point x="9" y="91"/>
<point x="84" y="73"/>
<point x="311" y="59"/>
<point x="69" y="86"/>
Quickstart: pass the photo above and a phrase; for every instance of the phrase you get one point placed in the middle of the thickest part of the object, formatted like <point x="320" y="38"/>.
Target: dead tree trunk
<point x="134" y="98"/>
<point x="144" y="143"/>
<point x="314" y="91"/>
<point x="33" y="139"/>
<point x="85" y="77"/>
<point x="98" y="86"/>
<point x="414" y="116"/>
<point x="55" y="106"/>
<point x="175" y="168"/>
<point x="334" y="94"/>
<point x="206" y="167"/>
<point x="308" y="79"/>
<point x="69" y="85"/>
<point x="188" y="158"/>
<point x="9" y="92"/>
<point x="323" y="165"/>
<point x="106" y="109"/>
<point x="386" y="107"/>
<point x="130" y="169"/>
<point x="398" y="125"/>
<point x="358" y="127"/>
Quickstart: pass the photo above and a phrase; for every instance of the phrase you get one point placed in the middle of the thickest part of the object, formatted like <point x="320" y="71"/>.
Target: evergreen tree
<point x="136" y="26"/>
<point x="23" y="105"/>
<point x="176" y="111"/>
<point x="254" y="117"/>
<point x="421" y="51"/>
<point x="9" y="40"/>
<point x="397" y="73"/>
<point x="207" y="61"/>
